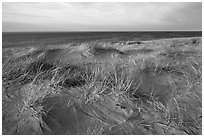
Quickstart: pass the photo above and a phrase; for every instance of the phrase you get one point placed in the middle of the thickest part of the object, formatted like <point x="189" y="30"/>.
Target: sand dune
<point x="148" y="87"/>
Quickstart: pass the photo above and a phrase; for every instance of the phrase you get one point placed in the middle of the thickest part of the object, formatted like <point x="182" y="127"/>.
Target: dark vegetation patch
<point x="39" y="66"/>
<point x="134" y="42"/>
<point x="71" y="76"/>
<point x="138" y="51"/>
<point x="100" y="51"/>
<point x="131" y="42"/>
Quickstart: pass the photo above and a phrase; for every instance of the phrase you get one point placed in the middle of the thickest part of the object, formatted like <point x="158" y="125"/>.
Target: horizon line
<point x="107" y="31"/>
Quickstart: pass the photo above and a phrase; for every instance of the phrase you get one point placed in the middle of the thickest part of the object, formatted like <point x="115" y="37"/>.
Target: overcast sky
<point x="101" y="16"/>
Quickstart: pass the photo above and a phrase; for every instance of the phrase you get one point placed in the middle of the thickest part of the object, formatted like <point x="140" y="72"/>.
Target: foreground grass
<point x="151" y="87"/>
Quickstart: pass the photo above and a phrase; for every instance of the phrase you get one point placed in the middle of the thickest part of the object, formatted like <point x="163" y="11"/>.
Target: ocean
<point x="39" y="39"/>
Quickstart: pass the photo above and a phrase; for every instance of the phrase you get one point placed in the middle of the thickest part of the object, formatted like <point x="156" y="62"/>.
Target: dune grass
<point x="151" y="87"/>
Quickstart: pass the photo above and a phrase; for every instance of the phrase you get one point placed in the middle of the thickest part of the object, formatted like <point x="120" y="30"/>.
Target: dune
<point x="134" y="88"/>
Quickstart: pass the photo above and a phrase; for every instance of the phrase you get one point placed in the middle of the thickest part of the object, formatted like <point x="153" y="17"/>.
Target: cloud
<point x="101" y="16"/>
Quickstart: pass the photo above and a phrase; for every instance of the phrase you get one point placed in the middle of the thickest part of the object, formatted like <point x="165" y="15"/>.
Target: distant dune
<point x="104" y="87"/>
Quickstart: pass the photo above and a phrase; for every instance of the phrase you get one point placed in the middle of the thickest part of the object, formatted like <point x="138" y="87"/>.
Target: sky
<point x="99" y="16"/>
